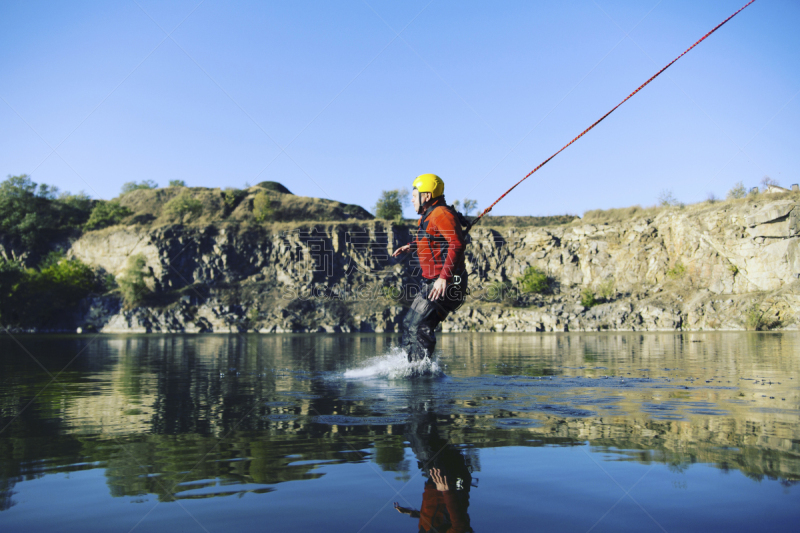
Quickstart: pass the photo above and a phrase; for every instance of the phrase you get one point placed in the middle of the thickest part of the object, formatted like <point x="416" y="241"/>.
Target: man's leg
<point x="452" y="300"/>
<point x="425" y="339"/>
<point x="418" y="340"/>
<point x="419" y="326"/>
<point x="407" y="336"/>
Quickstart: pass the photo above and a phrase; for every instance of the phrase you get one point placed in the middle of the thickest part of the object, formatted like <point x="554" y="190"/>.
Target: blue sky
<point x="345" y="99"/>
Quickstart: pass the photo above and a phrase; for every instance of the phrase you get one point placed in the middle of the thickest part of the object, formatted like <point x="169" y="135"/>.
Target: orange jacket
<point x="440" y="242"/>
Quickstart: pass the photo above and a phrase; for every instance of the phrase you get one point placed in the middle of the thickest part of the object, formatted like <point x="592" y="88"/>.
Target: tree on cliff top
<point x="767" y="182"/>
<point x="738" y="191"/>
<point x="183" y="207"/>
<point x="390" y="205"/>
<point x="34" y="214"/>
<point x="666" y="199"/>
<point x="262" y="207"/>
<point x="467" y="207"/>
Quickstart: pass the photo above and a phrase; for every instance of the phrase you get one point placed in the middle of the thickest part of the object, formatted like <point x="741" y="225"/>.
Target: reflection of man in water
<point x="445" y="499"/>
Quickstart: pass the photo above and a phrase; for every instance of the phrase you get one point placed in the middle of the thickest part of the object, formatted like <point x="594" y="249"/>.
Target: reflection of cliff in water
<point x="731" y="400"/>
<point x="150" y="409"/>
<point x="742" y="354"/>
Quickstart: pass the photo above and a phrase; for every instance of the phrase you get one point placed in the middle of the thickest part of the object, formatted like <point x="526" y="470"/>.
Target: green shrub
<point x="232" y="197"/>
<point x="132" y="284"/>
<point x="129" y="186"/>
<point x="534" y="280"/>
<point x="352" y="209"/>
<point x="31" y="297"/>
<point x="666" y="199"/>
<point x="262" y="207"/>
<point x="587" y="298"/>
<point x="51" y="259"/>
<point x="271" y="186"/>
<point x="676" y="272"/>
<point x="183" y="207"/>
<point x="605" y="290"/>
<point x="528" y="221"/>
<point x="109" y="282"/>
<point x="622" y="214"/>
<point x="106" y="214"/>
<point x="66" y="282"/>
<point x="74" y="209"/>
<point x="757" y="320"/>
<point x="11" y="274"/>
<point x="177" y="183"/>
<point x="733" y="269"/>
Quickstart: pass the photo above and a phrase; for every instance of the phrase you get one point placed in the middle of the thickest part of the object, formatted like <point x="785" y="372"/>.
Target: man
<point x="439" y="243"/>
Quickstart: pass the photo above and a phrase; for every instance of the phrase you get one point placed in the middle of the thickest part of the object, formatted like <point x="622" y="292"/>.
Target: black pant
<point x="418" y="338"/>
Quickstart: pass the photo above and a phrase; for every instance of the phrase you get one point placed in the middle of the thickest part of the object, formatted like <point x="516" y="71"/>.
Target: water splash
<point x="395" y="365"/>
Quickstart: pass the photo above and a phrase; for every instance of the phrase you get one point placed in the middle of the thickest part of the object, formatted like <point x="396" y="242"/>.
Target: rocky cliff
<point x="723" y="265"/>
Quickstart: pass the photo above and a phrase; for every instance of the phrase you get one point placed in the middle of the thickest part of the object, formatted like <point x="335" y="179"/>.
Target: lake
<point x="505" y="432"/>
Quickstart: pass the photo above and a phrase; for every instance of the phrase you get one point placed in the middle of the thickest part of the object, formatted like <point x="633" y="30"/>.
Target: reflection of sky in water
<point x="268" y="430"/>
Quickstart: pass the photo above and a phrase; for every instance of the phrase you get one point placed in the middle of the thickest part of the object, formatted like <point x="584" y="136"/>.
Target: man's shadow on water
<point x="445" y="499"/>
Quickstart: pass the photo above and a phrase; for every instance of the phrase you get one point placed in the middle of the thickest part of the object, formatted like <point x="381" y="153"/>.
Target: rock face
<point x="708" y="266"/>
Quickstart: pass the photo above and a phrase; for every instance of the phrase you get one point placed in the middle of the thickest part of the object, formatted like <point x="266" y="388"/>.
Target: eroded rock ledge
<point x="707" y="266"/>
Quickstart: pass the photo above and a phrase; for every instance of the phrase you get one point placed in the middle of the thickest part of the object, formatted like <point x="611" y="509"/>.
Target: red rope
<point x="543" y="163"/>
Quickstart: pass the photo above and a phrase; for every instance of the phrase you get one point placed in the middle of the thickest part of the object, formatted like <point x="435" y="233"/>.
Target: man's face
<point x="415" y="200"/>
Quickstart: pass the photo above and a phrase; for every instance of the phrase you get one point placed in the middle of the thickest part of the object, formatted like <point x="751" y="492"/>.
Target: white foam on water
<point x="395" y="365"/>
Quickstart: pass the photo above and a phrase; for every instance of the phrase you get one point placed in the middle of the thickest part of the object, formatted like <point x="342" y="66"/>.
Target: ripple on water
<point x="278" y="417"/>
<point x="565" y="410"/>
<point x="586" y="399"/>
<point x="516" y="423"/>
<point x="342" y="420"/>
<point x="301" y="395"/>
<point x="663" y="411"/>
<point x="395" y="365"/>
<point x="708" y="412"/>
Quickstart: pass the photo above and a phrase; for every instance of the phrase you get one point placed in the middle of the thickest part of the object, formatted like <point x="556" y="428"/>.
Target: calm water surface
<point x="548" y="432"/>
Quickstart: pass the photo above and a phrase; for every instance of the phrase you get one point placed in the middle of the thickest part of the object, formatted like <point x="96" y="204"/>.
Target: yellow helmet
<point x="429" y="183"/>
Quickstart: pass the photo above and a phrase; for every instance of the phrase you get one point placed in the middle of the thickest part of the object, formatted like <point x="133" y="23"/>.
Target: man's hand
<point x="401" y="250"/>
<point x="403" y="510"/>
<point x="439" y="287"/>
<point x="439" y="479"/>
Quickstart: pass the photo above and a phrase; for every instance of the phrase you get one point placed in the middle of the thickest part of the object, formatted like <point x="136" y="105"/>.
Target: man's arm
<point x="403" y="249"/>
<point x="405" y="510"/>
<point x="456" y="508"/>
<point x="449" y="228"/>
